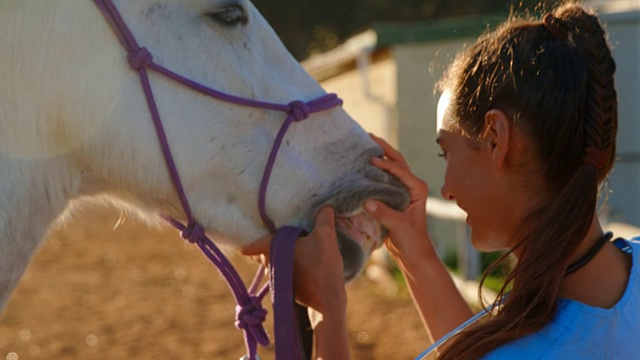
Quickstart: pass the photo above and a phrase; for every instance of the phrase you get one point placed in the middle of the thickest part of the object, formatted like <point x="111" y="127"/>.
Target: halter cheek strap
<point x="249" y="311"/>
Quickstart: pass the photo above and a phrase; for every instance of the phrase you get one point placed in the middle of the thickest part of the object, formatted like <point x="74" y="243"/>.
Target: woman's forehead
<point x="443" y="109"/>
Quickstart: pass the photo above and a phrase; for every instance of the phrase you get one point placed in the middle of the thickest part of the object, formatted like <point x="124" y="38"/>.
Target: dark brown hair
<point x="556" y="83"/>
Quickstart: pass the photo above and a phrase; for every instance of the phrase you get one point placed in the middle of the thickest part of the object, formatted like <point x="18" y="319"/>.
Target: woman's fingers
<point x="417" y="187"/>
<point x="318" y="282"/>
<point x="325" y="221"/>
<point x="325" y="226"/>
<point x="397" y="166"/>
<point x="407" y="228"/>
<point x="388" y="217"/>
<point x="389" y="151"/>
<point x="318" y="274"/>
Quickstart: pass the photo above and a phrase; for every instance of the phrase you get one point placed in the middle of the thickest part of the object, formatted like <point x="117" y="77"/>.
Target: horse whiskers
<point x="120" y="221"/>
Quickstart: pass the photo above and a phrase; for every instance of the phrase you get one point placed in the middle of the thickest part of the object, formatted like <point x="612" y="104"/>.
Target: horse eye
<point x="230" y="15"/>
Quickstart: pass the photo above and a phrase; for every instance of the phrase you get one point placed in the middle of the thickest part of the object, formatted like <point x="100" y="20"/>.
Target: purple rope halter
<point x="249" y="312"/>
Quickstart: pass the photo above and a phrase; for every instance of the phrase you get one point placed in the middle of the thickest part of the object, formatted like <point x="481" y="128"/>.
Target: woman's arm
<point x="437" y="299"/>
<point x="439" y="303"/>
<point x="330" y="329"/>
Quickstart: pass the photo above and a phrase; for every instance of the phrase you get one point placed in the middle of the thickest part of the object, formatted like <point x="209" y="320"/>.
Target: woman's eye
<point x="230" y="16"/>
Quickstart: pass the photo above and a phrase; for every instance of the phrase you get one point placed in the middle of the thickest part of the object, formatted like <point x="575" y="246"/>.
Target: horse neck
<point x="37" y="172"/>
<point x="36" y="87"/>
<point x="33" y="195"/>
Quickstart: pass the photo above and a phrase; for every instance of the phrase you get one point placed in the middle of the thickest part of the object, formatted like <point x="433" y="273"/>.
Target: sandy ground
<point x="95" y="292"/>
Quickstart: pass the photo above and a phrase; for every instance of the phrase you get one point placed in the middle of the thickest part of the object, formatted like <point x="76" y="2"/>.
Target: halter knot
<point x="192" y="233"/>
<point x="140" y="58"/>
<point x="299" y="110"/>
<point x="250" y="316"/>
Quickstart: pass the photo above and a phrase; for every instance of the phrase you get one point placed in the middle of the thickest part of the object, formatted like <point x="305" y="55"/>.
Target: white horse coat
<point x="74" y="125"/>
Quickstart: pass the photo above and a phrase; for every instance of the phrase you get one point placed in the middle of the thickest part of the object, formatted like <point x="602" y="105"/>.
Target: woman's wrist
<point x="334" y="316"/>
<point x="332" y="338"/>
<point x="333" y="305"/>
<point x="420" y="253"/>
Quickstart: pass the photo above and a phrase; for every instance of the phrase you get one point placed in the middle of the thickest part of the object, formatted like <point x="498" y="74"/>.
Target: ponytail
<point x="556" y="75"/>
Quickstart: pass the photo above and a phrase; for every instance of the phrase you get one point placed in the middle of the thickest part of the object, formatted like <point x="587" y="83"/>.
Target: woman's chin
<point x="485" y="242"/>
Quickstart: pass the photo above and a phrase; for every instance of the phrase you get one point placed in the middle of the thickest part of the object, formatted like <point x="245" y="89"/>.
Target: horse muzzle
<point x="358" y="233"/>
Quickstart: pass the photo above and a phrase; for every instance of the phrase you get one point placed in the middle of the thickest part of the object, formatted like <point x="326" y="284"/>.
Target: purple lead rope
<point x="281" y="279"/>
<point x="249" y="312"/>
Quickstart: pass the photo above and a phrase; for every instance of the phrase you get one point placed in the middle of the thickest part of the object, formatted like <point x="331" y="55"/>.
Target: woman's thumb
<point x="325" y="220"/>
<point x="382" y="213"/>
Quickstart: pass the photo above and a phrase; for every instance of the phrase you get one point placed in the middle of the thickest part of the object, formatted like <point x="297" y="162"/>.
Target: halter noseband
<point x="249" y="311"/>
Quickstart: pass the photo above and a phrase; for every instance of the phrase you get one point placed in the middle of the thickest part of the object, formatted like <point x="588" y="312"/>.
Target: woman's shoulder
<point x="579" y="331"/>
<point x="586" y="337"/>
<point x="554" y="337"/>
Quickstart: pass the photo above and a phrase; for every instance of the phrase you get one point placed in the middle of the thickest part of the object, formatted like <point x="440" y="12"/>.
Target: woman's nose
<point x="445" y="193"/>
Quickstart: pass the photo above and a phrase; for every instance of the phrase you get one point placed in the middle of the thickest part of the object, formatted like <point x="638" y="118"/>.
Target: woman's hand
<point x="318" y="268"/>
<point x="318" y="280"/>
<point x="408" y="233"/>
<point x="437" y="299"/>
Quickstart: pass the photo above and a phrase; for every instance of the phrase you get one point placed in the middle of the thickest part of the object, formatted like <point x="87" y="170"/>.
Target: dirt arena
<point x="98" y="292"/>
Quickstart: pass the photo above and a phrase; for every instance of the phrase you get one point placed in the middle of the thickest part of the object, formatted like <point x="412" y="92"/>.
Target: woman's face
<point x="486" y="192"/>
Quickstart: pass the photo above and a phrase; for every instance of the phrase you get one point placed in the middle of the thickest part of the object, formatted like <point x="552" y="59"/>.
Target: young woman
<point x="527" y="124"/>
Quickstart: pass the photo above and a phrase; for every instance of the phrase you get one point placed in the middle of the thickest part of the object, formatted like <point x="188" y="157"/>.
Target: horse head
<point x="85" y="108"/>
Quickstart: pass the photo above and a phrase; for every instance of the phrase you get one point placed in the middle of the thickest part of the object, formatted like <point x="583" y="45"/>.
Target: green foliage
<point x="399" y="279"/>
<point x="493" y="283"/>
<point x="495" y="278"/>
<point x="489" y="258"/>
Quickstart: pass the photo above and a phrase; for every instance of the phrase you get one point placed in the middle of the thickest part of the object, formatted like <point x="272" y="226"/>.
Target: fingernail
<point x="370" y="206"/>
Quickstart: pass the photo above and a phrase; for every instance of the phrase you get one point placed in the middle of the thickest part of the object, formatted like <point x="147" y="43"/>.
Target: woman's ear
<point x="496" y="136"/>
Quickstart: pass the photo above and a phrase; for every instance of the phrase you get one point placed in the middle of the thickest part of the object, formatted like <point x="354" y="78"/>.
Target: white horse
<point x="74" y="126"/>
